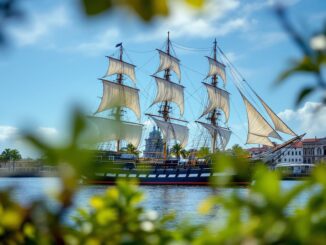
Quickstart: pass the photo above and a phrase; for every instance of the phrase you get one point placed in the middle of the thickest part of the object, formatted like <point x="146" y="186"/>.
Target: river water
<point x="183" y="200"/>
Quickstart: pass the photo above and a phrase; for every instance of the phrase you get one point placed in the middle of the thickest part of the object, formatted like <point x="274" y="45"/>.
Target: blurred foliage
<point x="8" y="13"/>
<point x="259" y="216"/>
<point x="145" y="9"/>
<point x="238" y="151"/>
<point x="313" y="59"/>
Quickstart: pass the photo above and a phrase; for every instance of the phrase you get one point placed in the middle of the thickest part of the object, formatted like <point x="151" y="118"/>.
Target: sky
<point x="56" y="55"/>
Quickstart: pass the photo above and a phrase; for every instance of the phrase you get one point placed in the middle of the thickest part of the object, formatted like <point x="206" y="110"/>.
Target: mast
<point x="119" y="81"/>
<point x="213" y="117"/>
<point x="169" y="92"/>
<point x="166" y="107"/>
<point x="218" y="100"/>
<point x="116" y="97"/>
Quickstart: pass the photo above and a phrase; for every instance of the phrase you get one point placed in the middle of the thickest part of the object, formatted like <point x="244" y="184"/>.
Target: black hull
<point x="163" y="177"/>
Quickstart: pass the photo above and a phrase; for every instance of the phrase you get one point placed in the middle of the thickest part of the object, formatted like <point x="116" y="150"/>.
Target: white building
<point x="292" y="154"/>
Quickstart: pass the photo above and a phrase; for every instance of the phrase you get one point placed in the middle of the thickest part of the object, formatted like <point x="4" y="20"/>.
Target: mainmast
<point x="213" y="117"/>
<point x="165" y="111"/>
<point x="169" y="91"/>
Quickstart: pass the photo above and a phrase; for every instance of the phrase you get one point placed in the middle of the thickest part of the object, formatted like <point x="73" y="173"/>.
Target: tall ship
<point x="121" y="98"/>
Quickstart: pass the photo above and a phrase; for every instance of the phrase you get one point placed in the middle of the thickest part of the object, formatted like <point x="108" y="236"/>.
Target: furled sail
<point x="258" y="128"/>
<point x="109" y="129"/>
<point x="278" y="123"/>
<point x="216" y="68"/>
<point x="118" y="95"/>
<point x="167" y="61"/>
<point x="120" y="67"/>
<point x="217" y="99"/>
<point x="172" y="131"/>
<point x="224" y="133"/>
<point x="169" y="91"/>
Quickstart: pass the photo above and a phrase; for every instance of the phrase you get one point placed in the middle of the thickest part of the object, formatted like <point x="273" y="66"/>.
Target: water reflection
<point x="183" y="200"/>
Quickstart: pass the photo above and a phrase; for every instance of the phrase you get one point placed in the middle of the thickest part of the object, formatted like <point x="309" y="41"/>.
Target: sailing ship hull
<point x="164" y="177"/>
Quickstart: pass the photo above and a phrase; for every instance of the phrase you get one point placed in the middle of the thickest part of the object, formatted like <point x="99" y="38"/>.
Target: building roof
<point x="311" y="140"/>
<point x="258" y="149"/>
<point x="297" y="144"/>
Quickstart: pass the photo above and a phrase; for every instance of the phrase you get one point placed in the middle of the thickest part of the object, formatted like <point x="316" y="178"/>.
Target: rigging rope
<point x="178" y="45"/>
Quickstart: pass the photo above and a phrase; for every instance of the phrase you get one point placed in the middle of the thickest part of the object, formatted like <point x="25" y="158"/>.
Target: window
<point x="318" y="151"/>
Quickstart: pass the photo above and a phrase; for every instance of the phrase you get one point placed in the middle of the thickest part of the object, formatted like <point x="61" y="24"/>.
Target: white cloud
<point x="101" y="42"/>
<point x="11" y="138"/>
<point x="39" y="26"/>
<point x="184" y="21"/>
<point x="310" y="119"/>
<point x="7" y="132"/>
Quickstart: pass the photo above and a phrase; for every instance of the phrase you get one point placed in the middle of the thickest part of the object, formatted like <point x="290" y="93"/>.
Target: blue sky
<point x="56" y="55"/>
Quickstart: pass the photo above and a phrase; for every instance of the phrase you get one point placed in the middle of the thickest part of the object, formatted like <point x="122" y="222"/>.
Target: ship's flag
<point x="118" y="45"/>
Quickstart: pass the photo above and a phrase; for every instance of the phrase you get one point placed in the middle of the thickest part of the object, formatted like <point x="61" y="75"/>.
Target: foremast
<point x="169" y="92"/>
<point x="218" y="100"/>
<point x="116" y="97"/>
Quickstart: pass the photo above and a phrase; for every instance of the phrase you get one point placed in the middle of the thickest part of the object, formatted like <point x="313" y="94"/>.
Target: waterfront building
<point x="314" y="150"/>
<point x="290" y="155"/>
<point x="154" y="144"/>
<point x="255" y="151"/>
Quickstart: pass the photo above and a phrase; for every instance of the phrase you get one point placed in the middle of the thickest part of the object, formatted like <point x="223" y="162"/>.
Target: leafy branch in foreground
<point x="145" y="9"/>
<point x="313" y="58"/>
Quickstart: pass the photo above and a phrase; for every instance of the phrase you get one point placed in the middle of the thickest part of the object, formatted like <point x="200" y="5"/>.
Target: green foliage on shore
<point x="10" y="155"/>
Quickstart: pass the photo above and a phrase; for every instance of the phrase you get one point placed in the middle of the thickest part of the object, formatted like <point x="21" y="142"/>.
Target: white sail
<point x="118" y="95"/>
<point x="257" y="139"/>
<point x="169" y="91"/>
<point x="258" y="128"/>
<point x="120" y="67"/>
<point x="172" y="131"/>
<point x="169" y="62"/>
<point x="216" y="68"/>
<point x="104" y="129"/>
<point x="224" y="133"/>
<point x="217" y="99"/>
<point x="278" y="123"/>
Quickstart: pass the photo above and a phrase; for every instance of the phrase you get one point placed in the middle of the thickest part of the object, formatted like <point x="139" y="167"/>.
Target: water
<point x="183" y="200"/>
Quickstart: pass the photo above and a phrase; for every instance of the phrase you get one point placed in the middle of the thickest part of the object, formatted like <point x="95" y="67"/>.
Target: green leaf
<point x="305" y="65"/>
<point x="304" y="93"/>
<point x="195" y="3"/>
<point x="94" y="7"/>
